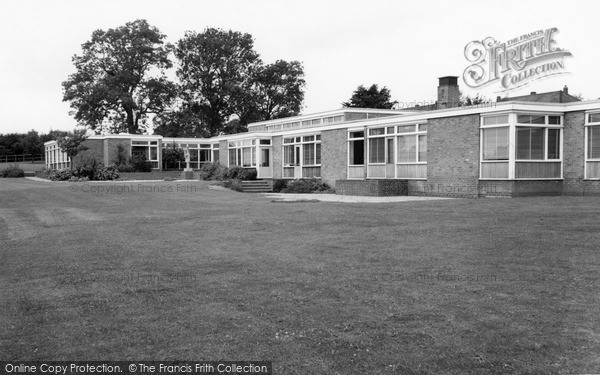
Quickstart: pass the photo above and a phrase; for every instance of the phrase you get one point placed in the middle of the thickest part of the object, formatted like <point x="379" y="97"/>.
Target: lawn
<point x="177" y="271"/>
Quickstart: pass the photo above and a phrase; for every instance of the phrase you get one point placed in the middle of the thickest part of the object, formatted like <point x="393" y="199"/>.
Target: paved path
<point x="344" y="198"/>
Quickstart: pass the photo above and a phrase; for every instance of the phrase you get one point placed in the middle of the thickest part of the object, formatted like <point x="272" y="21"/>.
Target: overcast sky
<point x="404" y="45"/>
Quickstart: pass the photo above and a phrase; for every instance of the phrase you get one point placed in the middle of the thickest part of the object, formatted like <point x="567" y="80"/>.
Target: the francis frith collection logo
<point x="514" y="63"/>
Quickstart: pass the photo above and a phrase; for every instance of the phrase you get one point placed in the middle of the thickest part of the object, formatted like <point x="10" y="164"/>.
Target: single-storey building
<point x="539" y="144"/>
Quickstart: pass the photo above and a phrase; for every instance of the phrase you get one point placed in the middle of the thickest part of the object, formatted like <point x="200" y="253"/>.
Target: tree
<point x="276" y="92"/>
<point x="214" y="66"/>
<point x="466" y="101"/>
<point x="112" y="88"/>
<point x="72" y="143"/>
<point x="372" y="97"/>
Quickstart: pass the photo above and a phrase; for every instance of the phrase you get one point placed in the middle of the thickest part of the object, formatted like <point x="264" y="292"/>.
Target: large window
<point x="304" y="153"/>
<point x="495" y="143"/>
<point x="592" y="163"/>
<point x="147" y="150"/>
<point x="242" y="153"/>
<point x="521" y="146"/>
<point x="398" y="151"/>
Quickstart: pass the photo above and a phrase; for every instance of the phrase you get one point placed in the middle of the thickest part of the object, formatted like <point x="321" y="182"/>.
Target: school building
<point x="538" y="144"/>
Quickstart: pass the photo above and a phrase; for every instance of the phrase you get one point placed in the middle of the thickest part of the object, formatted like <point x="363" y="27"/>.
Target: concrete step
<point x="257" y="186"/>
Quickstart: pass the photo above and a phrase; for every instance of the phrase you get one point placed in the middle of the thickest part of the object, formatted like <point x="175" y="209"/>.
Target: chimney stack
<point x="448" y="93"/>
<point x="566" y="90"/>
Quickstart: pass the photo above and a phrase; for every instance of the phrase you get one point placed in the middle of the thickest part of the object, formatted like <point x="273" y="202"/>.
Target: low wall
<point x="499" y="188"/>
<point x="373" y="188"/>
<point x="155" y="175"/>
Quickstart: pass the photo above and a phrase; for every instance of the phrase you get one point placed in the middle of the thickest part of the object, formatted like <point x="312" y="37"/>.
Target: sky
<point x="402" y="45"/>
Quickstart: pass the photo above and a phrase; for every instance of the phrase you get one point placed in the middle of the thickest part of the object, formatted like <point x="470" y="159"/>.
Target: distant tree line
<point x="30" y="143"/>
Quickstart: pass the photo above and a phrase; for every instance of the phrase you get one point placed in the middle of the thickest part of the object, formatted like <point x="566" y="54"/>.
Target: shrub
<point x="12" y="172"/>
<point x="106" y="173"/>
<point x="279" y="185"/>
<point x="140" y="164"/>
<point x="306" y="185"/>
<point x="125" y="168"/>
<point x="62" y="175"/>
<point x="239" y="173"/>
<point x="212" y="171"/>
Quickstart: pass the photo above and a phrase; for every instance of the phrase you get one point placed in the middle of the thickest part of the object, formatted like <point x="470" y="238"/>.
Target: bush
<point x="125" y="168"/>
<point x="12" y="172"/>
<point x="306" y="185"/>
<point x="86" y="172"/>
<point x="140" y="164"/>
<point x="212" y="171"/>
<point x="107" y="173"/>
<point x="239" y="173"/>
<point x="62" y="175"/>
<point x="279" y="185"/>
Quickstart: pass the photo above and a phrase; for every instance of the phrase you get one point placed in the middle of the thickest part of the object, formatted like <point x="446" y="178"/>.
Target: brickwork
<point x="334" y="155"/>
<point x="574" y="153"/>
<point x="223" y="153"/>
<point x="453" y="157"/>
<point x="372" y="188"/>
<point x="277" y="157"/>
<point x="95" y="150"/>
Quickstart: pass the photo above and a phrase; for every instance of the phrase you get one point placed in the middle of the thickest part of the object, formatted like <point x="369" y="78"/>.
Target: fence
<point x="23" y="158"/>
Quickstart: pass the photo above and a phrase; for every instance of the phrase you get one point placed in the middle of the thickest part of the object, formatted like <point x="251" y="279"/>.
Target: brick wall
<point x="223" y="153"/>
<point x="277" y="157"/>
<point x="573" y="153"/>
<point x="95" y="150"/>
<point x="453" y="156"/>
<point x="334" y="155"/>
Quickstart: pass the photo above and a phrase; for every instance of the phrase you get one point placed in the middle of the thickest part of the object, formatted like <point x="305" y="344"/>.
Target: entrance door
<point x="265" y="170"/>
<point x="297" y="160"/>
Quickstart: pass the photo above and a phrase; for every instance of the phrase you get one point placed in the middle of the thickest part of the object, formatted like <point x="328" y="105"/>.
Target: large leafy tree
<point x="372" y="97"/>
<point x="214" y="68"/>
<point x="112" y="88"/>
<point x="275" y="91"/>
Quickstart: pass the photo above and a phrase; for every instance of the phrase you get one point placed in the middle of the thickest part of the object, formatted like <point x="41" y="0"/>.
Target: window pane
<point x="531" y="119"/>
<point x="493" y="120"/>
<point x="406" y="128"/>
<point x="318" y="154"/>
<point x="247" y="156"/>
<point x="309" y="154"/>
<point x="495" y="144"/>
<point x="554" y="120"/>
<point x="422" y="148"/>
<point x="407" y="149"/>
<point x="390" y="151"/>
<point x="357" y="134"/>
<point x="593" y="142"/>
<point x="153" y="153"/>
<point x="232" y="161"/>
<point x="553" y="143"/>
<point x="265" y="162"/>
<point x="357" y="156"/>
<point x="376" y="131"/>
<point x="377" y="150"/>
<point x="530" y="143"/>
<point x="288" y="155"/>
<point x="594" y="117"/>
<point x="423" y="127"/>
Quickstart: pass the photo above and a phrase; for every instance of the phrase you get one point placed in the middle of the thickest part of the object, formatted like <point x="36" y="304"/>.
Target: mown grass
<point x="485" y="286"/>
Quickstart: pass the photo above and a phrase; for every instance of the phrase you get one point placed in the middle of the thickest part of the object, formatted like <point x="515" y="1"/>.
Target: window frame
<point x="513" y="125"/>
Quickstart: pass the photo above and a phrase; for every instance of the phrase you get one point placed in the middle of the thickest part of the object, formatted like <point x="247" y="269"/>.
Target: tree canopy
<point x="372" y="97"/>
<point x="112" y="89"/>
<point x="223" y="85"/>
